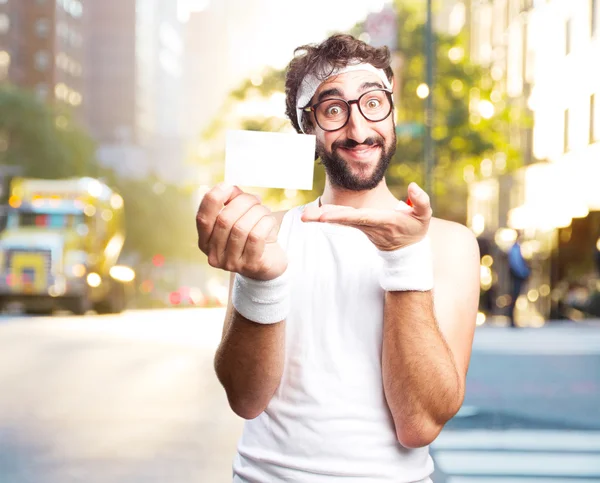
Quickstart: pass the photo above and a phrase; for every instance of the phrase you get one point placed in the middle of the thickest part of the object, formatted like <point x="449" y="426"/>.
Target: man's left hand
<point x="387" y="229"/>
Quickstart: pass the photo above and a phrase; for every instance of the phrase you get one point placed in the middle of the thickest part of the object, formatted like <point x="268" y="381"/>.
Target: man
<point x="519" y="273"/>
<point x="335" y="348"/>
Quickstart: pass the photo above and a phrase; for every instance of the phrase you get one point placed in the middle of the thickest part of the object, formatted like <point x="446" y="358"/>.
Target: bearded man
<point x="349" y="328"/>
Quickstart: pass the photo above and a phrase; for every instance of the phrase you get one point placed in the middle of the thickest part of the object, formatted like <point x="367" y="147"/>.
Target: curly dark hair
<point x="335" y="52"/>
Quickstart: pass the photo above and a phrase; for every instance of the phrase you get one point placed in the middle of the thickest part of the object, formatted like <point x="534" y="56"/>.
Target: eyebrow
<point x="336" y="92"/>
<point x="329" y="92"/>
<point x="368" y="85"/>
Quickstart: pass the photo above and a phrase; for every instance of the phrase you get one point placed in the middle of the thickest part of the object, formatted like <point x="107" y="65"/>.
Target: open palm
<point x="387" y="229"/>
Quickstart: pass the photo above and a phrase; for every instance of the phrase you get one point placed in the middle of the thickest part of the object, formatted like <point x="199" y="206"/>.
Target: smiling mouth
<point x="360" y="152"/>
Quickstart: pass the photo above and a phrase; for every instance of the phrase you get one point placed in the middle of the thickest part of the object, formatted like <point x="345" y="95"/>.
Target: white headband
<point x="311" y="83"/>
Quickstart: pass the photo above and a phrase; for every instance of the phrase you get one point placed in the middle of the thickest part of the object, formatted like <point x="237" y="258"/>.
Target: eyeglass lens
<point x="333" y="113"/>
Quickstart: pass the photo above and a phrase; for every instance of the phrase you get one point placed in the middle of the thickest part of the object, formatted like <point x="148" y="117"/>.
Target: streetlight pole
<point x="429" y="152"/>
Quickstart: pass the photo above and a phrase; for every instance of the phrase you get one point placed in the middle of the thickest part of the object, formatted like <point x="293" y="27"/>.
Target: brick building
<point x="41" y="48"/>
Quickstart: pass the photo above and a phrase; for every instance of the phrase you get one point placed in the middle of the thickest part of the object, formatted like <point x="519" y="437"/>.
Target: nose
<point x="357" y="128"/>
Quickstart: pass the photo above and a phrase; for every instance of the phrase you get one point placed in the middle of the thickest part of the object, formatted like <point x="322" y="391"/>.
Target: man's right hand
<point x="239" y="234"/>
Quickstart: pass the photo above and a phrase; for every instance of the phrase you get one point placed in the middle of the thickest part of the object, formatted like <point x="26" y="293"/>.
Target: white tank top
<point x="328" y="420"/>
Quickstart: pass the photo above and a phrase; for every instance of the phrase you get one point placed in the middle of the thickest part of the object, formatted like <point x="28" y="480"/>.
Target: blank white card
<point x="269" y="160"/>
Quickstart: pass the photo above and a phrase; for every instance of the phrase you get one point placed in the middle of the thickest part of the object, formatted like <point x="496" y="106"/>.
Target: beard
<point x="339" y="172"/>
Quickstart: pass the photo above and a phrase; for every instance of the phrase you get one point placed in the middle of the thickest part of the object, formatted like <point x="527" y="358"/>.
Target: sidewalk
<point x="553" y="338"/>
<point x="499" y="321"/>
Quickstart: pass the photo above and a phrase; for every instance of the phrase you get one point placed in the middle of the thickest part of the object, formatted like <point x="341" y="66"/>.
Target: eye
<point x="333" y="111"/>
<point x="373" y="103"/>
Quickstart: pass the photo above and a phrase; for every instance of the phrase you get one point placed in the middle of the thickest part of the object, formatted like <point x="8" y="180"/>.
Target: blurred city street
<point x="133" y="398"/>
<point x="115" y="122"/>
<point x="130" y="398"/>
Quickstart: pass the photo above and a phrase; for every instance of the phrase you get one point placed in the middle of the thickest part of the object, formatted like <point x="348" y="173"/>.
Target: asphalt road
<point x="133" y="398"/>
<point x="531" y="412"/>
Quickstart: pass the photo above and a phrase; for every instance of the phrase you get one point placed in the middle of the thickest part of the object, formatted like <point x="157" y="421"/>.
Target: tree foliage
<point x="47" y="143"/>
<point x="41" y="139"/>
<point x="463" y="133"/>
<point x="272" y="80"/>
<point x="471" y="125"/>
<point x="159" y="218"/>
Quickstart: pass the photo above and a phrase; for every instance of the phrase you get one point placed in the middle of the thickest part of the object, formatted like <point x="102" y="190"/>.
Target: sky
<point x="284" y="29"/>
<point x="264" y="33"/>
<point x="305" y="25"/>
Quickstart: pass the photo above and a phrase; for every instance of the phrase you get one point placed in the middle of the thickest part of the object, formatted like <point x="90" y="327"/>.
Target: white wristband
<point x="262" y="301"/>
<point x="408" y="268"/>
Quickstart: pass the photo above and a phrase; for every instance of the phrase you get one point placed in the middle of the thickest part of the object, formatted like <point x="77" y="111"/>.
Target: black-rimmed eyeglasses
<point x="333" y="114"/>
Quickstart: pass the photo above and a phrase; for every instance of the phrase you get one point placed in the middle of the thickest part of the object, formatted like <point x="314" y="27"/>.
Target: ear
<point x="308" y="124"/>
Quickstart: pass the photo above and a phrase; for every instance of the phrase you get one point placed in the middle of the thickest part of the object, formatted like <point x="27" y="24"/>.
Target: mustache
<point x="351" y="143"/>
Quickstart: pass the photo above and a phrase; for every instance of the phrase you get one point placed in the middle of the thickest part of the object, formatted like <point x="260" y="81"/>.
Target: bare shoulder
<point x="452" y="241"/>
<point x="456" y="272"/>
<point x="439" y="228"/>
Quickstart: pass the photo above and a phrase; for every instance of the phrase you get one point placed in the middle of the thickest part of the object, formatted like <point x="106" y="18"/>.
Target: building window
<point x="76" y="69"/>
<point x="75" y="98"/>
<point x="4" y="64"/>
<point x="566" y="133"/>
<point x="42" y="90"/>
<point x="568" y="33"/>
<point x="593" y="17"/>
<point x="62" y="29"/>
<point x="4" y="58"/>
<point x="41" y="60"/>
<point x="62" y="61"/>
<point x="61" y="91"/>
<point x="75" y="39"/>
<point x="594" y="119"/>
<point x="74" y="7"/>
<point x="4" y="23"/>
<point x="42" y="28"/>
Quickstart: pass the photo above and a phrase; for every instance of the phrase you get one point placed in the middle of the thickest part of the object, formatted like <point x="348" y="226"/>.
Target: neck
<point x="379" y="197"/>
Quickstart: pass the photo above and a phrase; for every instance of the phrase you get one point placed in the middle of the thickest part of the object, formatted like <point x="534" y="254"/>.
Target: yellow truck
<point x="61" y="246"/>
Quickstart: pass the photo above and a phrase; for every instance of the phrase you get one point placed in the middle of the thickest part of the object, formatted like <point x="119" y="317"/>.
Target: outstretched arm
<point x="429" y="318"/>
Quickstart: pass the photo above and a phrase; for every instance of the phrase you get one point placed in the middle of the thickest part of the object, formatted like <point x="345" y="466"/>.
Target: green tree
<point x="46" y="143"/>
<point x="42" y="139"/>
<point x="159" y="217"/>
<point x="472" y="118"/>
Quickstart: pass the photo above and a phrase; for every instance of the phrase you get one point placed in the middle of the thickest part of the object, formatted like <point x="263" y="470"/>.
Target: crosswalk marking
<point x="520" y="440"/>
<point x="518" y="456"/>
<point x="479" y="479"/>
<point x="507" y="463"/>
